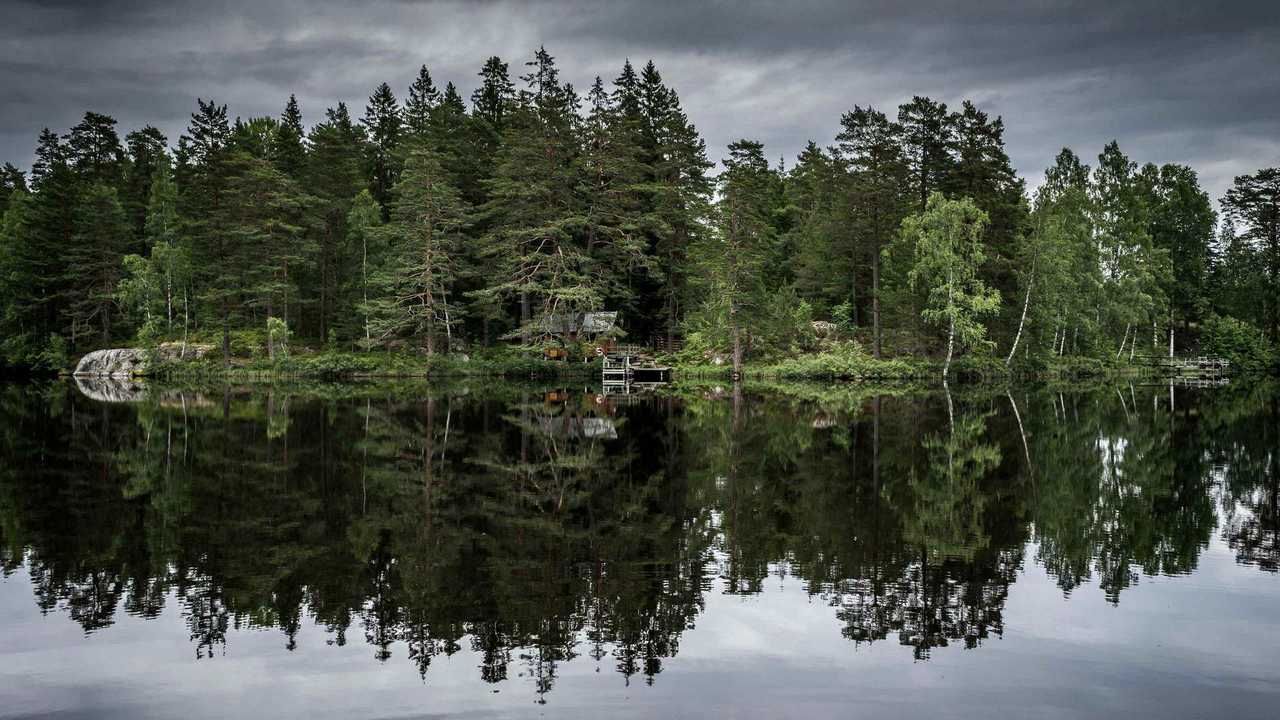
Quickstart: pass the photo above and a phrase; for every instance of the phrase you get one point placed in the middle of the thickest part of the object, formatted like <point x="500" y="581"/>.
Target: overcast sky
<point x="1195" y="83"/>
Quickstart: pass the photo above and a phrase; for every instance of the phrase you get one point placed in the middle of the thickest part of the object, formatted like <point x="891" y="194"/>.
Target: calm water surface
<point x="500" y="550"/>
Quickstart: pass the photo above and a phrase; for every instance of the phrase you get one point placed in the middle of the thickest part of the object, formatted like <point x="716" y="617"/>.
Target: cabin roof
<point x="594" y="323"/>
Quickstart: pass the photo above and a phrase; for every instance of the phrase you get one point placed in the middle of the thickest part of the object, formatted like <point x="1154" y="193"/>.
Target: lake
<point x="508" y="550"/>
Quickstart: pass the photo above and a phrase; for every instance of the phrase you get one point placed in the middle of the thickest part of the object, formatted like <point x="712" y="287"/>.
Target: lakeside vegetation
<point x="439" y="237"/>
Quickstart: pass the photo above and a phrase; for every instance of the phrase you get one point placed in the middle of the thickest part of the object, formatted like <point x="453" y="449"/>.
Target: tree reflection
<point x="532" y="527"/>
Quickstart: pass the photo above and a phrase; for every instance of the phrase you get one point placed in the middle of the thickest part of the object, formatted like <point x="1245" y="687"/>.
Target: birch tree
<point x="946" y="247"/>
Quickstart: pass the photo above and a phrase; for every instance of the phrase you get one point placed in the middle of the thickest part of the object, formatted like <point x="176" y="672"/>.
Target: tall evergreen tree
<point x="928" y="139"/>
<point x="334" y="176"/>
<point x="420" y="105"/>
<point x="383" y="123"/>
<point x="733" y="261"/>
<point x="424" y="236"/>
<point x="94" y="264"/>
<point x="532" y="207"/>
<point x="870" y="144"/>
<point x="94" y="151"/>
<point x="288" y="151"/>
<point x="145" y="149"/>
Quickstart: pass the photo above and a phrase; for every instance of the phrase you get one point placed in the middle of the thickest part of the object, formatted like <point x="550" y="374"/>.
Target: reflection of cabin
<point x="591" y="428"/>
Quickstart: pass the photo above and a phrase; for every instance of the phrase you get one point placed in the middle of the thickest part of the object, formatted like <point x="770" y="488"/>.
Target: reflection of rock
<point x="107" y="388"/>
<point x="121" y="363"/>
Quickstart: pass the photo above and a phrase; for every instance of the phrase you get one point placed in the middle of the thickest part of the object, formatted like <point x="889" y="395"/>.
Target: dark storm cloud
<point x="1174" y="82"/>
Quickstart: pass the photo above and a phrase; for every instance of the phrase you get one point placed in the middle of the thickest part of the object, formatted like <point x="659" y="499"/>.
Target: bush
<point x="1244" y="345"/>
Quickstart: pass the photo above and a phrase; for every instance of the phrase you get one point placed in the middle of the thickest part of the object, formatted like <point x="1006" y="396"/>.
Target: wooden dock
<point x="627" y="365"/>
<point x="1202" y="367"/>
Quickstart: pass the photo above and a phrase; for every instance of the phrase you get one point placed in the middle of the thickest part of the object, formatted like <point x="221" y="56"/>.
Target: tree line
<point x="439" y="225"/>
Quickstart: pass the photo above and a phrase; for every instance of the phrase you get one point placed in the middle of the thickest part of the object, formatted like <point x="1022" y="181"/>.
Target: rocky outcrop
<point x="173" y="351"/>
<point x="118" y="363"/>
<point x="130" y="362"/>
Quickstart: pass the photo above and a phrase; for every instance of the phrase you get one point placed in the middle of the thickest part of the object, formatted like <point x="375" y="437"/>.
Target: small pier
<point x="627" y="366"/>
<point x="1204" y="368"/>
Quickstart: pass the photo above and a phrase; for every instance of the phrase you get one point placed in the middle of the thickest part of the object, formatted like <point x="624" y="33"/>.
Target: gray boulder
<point x="118" y="363"/>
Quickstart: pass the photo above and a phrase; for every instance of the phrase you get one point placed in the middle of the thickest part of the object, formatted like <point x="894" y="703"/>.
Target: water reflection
<point x="539" y="526"/>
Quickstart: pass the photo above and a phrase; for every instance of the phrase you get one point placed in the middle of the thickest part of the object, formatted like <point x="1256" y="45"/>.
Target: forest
<point x="431" y="225"/>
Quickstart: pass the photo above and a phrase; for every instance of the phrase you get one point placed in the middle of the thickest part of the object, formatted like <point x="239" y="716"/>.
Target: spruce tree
<point x="287" y="149"/>
<point x="418" y="107"/>
<point x="383" y="123"/>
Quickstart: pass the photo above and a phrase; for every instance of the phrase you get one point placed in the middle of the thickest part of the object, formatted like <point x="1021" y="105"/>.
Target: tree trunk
<point x="1026" y="302"/>
<point x="951" y="343"/>
<point x="1123" y="340"/>
<point x="271" y="341"/>
<point x="524" y="317"/>
<point x="226" y="335"/>
<point x="875" y="305"/>
<point x="737" y="350"/>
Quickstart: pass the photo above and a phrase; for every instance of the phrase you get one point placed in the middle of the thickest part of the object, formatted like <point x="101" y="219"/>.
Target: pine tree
<point x="871" y="147"/>
<point x="532" y="206"/>
<point x="145" y="148"/>
<point x="94" y="151"/>
<point x="734" y="261"/>
<point x="928" y="139"/>
<point x="94" y="263"/>
<point x="334" y="176"/>
<point x="424" y="236"/>
<point x="494" y="99"/>
<point x="203" y="174"/>
<point x="12" y="180"/>
<point x="613" y="190"/>
<point x="679" y="197"/>
<point x="21" y="336"/>
<point x="51" y="233"/>
<point x="266" y="227"/>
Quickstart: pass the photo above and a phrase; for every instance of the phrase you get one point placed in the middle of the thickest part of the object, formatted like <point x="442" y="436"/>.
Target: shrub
<point x="1241" y="343"/>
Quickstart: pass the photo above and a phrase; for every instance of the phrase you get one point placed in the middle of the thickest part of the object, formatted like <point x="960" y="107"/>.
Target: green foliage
<point x="946" y="251"/>
<point x="437" y="225"/>
<point x="1240" y="342"/>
